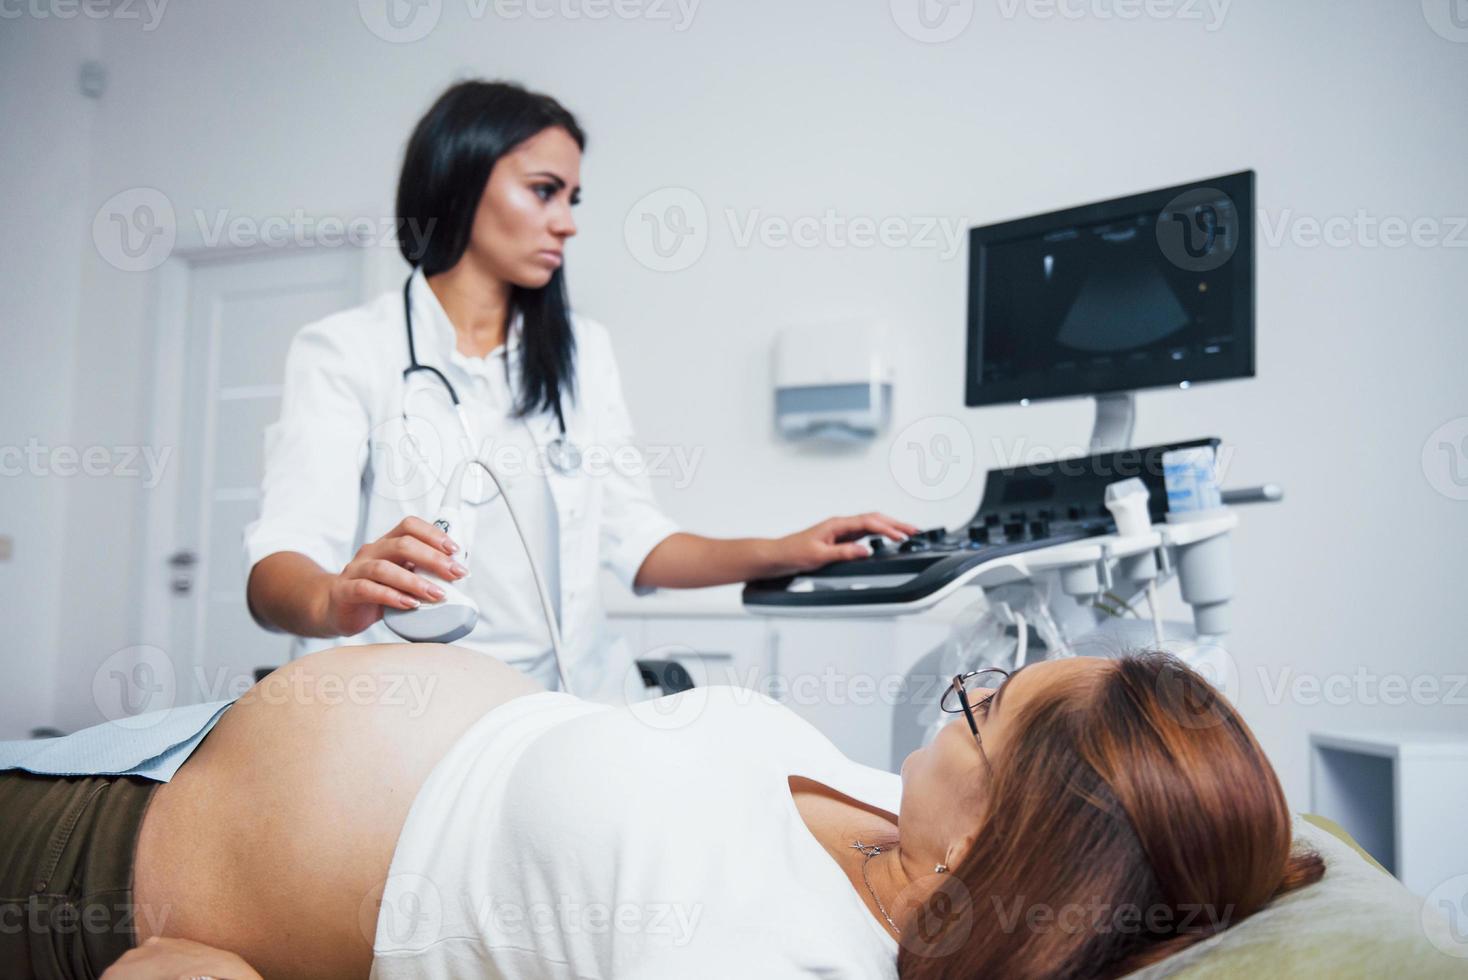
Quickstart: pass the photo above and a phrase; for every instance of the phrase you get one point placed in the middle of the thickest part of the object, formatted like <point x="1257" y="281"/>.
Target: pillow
<point x="1357" y="921"/>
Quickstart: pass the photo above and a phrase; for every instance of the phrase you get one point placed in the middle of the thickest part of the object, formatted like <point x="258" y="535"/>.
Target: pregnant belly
<point x="274" y="840"/>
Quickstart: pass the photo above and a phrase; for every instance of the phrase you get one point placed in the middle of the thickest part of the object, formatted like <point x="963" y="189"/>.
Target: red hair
<point x="1131" y="814"/>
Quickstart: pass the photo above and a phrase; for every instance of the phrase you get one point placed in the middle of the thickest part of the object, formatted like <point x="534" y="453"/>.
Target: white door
<point x="242" y="312"/>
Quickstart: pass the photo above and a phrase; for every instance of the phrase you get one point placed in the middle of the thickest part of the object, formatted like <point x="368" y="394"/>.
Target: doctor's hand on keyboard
<point x="838" y="539"/>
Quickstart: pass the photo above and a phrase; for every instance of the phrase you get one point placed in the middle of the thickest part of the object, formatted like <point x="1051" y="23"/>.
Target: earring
<point x="939" y="869"/>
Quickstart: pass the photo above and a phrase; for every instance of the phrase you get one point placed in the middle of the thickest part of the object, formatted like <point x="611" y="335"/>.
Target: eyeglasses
<point x="957" y="698"/>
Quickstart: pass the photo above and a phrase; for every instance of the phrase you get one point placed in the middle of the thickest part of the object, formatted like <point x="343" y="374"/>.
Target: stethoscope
<point x="563" y="454"/>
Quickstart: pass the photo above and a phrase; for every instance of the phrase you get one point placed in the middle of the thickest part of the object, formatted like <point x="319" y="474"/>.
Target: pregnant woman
<point x="430" y="812"/>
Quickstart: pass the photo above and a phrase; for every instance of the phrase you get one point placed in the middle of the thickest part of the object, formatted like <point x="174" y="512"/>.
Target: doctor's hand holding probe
<point x="476" y="391"/>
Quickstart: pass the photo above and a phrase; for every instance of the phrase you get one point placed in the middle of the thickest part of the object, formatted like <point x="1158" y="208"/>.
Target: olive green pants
<point x="66" y="872"/>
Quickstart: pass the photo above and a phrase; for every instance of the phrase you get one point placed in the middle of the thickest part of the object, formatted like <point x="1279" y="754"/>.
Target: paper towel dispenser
<point x="832" y="382"/>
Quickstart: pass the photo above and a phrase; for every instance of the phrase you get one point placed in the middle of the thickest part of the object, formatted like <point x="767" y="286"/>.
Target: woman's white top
<point x="656" y="841"/>
<point x="343" y="467"/>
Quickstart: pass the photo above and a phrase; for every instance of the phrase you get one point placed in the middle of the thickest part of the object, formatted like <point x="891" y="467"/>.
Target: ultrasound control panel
<point x="1024" y="508"/>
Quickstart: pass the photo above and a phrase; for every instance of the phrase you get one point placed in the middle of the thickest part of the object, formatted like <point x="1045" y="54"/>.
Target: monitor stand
<point x="1116" y="417"/>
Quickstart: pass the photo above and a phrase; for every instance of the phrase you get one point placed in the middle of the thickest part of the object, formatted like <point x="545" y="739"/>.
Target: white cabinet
<point x="869" y="684"/>
<point x="851" y="678"/>
<point x="727" y="651"/>
<point x="1402" y="796"/>
<point x="842" y="676"/>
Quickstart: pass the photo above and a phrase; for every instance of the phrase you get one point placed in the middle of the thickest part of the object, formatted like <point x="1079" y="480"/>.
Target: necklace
<point x="871" y="851"/>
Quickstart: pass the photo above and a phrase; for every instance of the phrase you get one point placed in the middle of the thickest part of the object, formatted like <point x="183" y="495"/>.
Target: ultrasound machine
<point x="1147" y="291"/>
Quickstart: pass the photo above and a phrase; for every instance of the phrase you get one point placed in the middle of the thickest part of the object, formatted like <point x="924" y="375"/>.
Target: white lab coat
<point x="337" y="475"/>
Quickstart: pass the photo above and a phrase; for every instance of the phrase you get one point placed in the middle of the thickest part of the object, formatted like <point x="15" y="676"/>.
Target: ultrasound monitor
<point x="1146" y="291"/>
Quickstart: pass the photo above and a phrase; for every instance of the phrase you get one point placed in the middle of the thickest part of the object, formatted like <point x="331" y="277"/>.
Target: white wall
<point x="790" y="109"/>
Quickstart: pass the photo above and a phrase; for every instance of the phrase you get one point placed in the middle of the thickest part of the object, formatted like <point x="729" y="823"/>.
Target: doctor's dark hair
<point x="1130" y="813"/>
<point x="446" y="167"/>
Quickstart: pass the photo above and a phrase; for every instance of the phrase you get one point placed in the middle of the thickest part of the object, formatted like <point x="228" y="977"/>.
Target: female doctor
<point x="479" y="356"/>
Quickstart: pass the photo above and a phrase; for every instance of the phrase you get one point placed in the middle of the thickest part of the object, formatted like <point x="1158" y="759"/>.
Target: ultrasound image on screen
<point x="1099" y="307"/>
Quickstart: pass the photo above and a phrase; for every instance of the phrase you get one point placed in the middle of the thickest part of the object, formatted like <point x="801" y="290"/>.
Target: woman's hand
<point x="835" y="539"/>
<point x="172" y="959"/>
<point x="382" y="574"/>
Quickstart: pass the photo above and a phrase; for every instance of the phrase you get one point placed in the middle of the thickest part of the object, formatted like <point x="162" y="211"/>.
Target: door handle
<point x="182" y="563"/>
